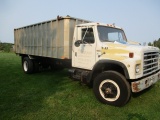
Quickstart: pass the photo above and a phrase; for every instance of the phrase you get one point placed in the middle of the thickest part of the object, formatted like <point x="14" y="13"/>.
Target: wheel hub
<point x="25" y="66"/>
<point x="108" y="91"/>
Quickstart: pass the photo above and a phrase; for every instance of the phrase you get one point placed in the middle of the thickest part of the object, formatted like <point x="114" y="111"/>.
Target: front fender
<point x="111" y="65"/>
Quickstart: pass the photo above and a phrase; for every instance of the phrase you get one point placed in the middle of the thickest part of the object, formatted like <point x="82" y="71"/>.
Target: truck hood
<point x="123" y="49"/>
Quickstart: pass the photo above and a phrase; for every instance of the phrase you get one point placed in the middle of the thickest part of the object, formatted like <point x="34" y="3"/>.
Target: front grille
<point x="150" y="63"/>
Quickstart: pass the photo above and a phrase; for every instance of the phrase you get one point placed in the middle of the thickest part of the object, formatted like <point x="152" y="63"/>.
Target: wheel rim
<point x="109" y="90"/>
<point x="25" y="66"/>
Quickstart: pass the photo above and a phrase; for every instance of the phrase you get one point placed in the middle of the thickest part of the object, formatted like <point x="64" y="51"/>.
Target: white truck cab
<point x="115" y="66"/>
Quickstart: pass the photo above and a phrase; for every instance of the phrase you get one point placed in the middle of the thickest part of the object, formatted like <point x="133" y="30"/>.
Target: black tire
<point x="27" y="65"/>
<point x="112" y="88"/>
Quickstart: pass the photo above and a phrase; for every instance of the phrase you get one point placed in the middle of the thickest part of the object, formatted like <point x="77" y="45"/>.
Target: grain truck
<point x="96" y="54"/>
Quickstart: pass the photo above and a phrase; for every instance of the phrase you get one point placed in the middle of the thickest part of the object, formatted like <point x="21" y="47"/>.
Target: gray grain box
<point x="51" y="38"/>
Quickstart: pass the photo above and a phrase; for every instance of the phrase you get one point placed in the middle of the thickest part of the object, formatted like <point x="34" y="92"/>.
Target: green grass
<point x="52" y="95"/>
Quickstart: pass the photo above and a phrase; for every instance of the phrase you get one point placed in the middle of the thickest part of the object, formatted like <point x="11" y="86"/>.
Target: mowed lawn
<point x="51" y="95"/>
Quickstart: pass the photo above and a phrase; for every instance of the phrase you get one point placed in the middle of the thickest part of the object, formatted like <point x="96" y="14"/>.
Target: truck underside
<point x="32" y="64"/>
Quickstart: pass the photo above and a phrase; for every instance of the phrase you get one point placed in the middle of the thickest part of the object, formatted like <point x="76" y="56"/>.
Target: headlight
<point x="137" y="69"/>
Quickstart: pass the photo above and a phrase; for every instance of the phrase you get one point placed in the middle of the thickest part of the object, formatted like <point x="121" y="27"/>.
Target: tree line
<point x="6" y="47"/>
<point x="155" y="43"/>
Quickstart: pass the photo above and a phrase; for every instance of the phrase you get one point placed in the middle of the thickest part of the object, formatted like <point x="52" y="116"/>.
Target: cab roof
<point x="96" y="24"/>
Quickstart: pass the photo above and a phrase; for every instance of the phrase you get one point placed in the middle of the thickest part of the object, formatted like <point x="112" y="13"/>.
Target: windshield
<point x="108" y="34"/>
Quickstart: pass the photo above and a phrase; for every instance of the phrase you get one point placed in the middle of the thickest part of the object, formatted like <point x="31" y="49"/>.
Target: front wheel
<point x="111" y="88"/>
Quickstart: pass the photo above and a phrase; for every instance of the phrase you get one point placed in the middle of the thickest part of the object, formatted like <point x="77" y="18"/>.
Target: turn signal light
<point x="131" y="55"/>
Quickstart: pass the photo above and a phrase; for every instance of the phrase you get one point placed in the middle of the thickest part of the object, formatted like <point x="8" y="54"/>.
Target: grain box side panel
<point x="44" y="50"/>
<point x="45" y="40"/>
<point x="28" y="37"/>
<point x="40" y="40"/>
<point x="15" y="40"/>
<point x="60" y="39"/>
<point x="27" y="40"/>
<point x="49" y="39"/>
<point x="54" y="37"/>
<point x="19" y="41"/>
<point x="24" y="40"/>
<point x="72" y="24"/>
<point x="35" y="47"/>
<point x="32" y="40"/>
<point x="66" y="39"/>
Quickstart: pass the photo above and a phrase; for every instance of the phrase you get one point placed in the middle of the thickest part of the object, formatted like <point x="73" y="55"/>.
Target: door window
<point x="87" y="35"/>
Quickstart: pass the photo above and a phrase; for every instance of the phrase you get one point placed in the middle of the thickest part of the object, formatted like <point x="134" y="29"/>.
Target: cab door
<point x="83" y="56"/>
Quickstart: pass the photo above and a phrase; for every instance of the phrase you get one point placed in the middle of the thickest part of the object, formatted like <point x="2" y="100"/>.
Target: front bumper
<point x="144" y="83"/>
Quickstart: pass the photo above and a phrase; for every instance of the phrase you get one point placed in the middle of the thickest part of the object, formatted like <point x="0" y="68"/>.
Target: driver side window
<point x="88" y="35"/>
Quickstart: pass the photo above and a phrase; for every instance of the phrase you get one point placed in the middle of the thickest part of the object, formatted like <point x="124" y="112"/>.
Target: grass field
<point x="51" y="95"/>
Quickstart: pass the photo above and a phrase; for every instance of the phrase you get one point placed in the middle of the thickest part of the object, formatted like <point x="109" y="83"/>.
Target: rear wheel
<point x="27" y="65"/>
<point x="112" y="88"/>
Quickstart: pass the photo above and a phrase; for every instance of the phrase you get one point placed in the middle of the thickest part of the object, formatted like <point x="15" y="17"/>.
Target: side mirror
<point x="77" y="43"/>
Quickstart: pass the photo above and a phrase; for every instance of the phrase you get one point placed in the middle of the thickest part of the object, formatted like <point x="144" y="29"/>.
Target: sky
<point x="140" y="19"/>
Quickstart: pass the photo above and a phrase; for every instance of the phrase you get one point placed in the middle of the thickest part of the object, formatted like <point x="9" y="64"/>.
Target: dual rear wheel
<point x="34" y="65"/>
<point x="28" y="65"/>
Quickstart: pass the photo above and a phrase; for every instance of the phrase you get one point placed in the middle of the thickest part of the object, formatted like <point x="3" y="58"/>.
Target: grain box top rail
<point x="58" y="18"/>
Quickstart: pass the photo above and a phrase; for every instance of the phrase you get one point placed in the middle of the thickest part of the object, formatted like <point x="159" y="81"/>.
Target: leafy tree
<point x="1" y="46"/>
<point x="6" y="47"/>
<point x="156" y="43"/>
<point x="150" y="44"/>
